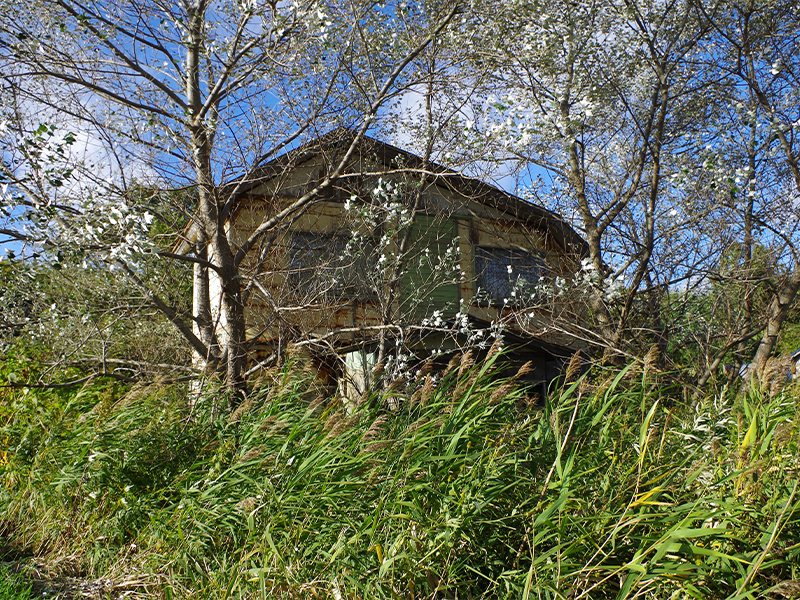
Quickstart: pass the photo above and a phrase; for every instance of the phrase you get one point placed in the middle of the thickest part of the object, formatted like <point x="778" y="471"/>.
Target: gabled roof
<point x="393" y="157"/>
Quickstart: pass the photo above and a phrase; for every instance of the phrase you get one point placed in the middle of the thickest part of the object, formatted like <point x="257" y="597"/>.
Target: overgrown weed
<point x="457" y="491"/>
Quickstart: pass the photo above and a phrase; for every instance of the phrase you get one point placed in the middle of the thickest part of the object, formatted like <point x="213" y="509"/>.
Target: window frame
<point x="317" y="271"/>
<point x="487" y="293"/>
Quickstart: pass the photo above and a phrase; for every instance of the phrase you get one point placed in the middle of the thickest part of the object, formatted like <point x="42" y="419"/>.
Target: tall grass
<point x="461" y="489"/>
<point x="12" y="585"/>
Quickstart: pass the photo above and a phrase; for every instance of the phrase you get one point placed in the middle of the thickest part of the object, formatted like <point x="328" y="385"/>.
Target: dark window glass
<point x="331" y="266"/>
<point x="507" y="274"/>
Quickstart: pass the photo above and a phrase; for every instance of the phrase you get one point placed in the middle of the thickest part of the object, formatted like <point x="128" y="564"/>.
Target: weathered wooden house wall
<point x="452" y="221"/>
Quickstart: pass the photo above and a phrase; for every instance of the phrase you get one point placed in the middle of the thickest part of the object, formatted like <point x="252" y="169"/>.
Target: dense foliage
<point x="458" y="487"/>
<point x="92" y="318"/>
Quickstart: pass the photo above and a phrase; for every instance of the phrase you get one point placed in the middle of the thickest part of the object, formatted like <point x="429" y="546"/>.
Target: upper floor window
<point x="323" y="265"/>
<point x="507" y="275"/>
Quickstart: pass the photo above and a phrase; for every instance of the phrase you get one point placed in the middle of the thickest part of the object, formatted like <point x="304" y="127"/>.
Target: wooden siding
<point x="428" y="282"/>
<point x="463" y="225"/>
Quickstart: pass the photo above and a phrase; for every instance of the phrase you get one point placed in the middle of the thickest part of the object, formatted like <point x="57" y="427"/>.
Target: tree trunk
<point x="203" y="319"/>
<point x="231" y="310"/>
<point x="778" y="311"/>
<point x="231" y="317"/>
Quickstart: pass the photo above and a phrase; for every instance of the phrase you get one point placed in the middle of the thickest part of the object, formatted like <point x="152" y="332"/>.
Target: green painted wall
<point x="423" y="286"/>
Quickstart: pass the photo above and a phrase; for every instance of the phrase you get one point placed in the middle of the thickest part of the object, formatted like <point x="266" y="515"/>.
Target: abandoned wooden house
<point x="399" y="258"/>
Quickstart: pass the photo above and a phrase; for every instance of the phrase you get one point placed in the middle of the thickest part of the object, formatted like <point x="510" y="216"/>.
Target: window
<point x="506" y="275"/>
<point x="331" y="266"/>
